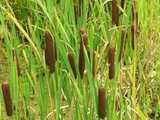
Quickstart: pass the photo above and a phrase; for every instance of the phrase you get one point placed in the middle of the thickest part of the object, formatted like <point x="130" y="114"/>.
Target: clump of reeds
<point x="72" y="63"/>
<point x="7" y="98"/>
<point x="111" y="60"/>
<point x="115" y="13"/>
<point x="50" y="51"/>
<point x="83" y="46"/>
<point x="15" y="59"/>
<point x="134" y="24"/>
<point x="102" y="103"/>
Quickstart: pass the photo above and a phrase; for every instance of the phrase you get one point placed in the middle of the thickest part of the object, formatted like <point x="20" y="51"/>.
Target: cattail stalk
<point x="15" y="58"/>
<point x="7" y="98"/>
<point x="115" y="13"/>
<point x="83" y="46"/>
<point x="72" y="63"/>
<point x="102" y="103"/>
<point x="50" y="51"/>
<point x="111" y="60"/>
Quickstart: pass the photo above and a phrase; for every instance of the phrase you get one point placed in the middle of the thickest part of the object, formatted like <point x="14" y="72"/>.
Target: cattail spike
<point x="102" y="103"/>
<point x="81" y="60"/>
<point x="72" y="63"/>
<point x="115" y="13"/>
<point x="50" y="51"/>
<point x="111" y="59"/>
<point x="7" y="98"/>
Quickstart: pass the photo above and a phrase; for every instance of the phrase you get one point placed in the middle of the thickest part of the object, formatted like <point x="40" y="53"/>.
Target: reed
<point x="102" y="103"/>
<point x="50" y="51"/>
<point x="111" y="60"/>
<point x="115" y="13"/>
<point x="72" y="63"/>
<point x="7" y="98"/>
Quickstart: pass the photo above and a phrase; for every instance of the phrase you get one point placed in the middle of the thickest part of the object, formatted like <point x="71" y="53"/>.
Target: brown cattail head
<point x="83" y="44"/>
<point x="7" y="98"/>
<point x="15" y="59"/>
<point x="72" y="63"/>
<point x="50" y="51"/>
<point x="115" y="13"/>
<point x="102" y="103"/>
<point x="134" y="25"/>
<point x="81" y="60"/>
<point x="111" y="59"/>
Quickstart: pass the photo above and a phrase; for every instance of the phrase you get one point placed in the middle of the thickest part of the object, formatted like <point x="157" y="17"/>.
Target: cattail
<point x="15" y="58"/>
<point x="7" y="98"/>
<point x="111" y="57"/>
<point x="81" y="60"/>
<point x="72" y="63"/>
<point x="134" y="24"/>
<point x="102" y="103"/>
<point x="83" y="44"/>
<point x="115" y="13"/>
<point x="50" y="51"/>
